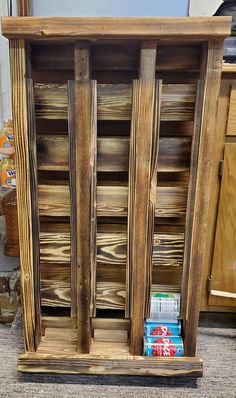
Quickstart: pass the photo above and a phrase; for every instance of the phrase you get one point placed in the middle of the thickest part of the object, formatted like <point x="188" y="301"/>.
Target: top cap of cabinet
<point x="38" y="28"/>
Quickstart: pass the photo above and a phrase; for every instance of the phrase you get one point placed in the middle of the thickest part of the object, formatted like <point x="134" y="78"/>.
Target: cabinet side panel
<point x="30" y="295"/>
<point x="211" y="79"/>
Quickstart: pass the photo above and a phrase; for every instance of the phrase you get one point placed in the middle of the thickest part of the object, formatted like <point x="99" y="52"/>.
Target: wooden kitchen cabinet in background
<point x="219" y="271"/>
<point x="115" y="132"/>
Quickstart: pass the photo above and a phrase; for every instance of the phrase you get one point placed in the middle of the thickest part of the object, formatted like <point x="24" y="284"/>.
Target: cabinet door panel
<point x="231" y="128"/>
<point x="223" y="282"/>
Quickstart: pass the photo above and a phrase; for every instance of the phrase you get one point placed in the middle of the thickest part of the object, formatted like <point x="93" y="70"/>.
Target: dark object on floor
<point x="228" y="8"/>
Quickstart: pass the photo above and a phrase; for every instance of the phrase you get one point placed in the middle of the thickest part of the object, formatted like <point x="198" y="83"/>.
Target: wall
<point x="203" y="7"/>
<point x="110" y="7"/>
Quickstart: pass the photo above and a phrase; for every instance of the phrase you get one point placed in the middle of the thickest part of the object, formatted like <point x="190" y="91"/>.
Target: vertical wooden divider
<point x="73" y="195"/>
<point x="73" y="198"/>
<point x="140" y="191"/>
<point x="212" y="58"/>
<point x="85" y="185"/>
<point x="26" y="166"/>
<point x="191" y="195"/>
<point x="131" y="193"/>
<point x="153" y="190"/>
<point x="93" y="234"/>
<point x="34" y="205"/>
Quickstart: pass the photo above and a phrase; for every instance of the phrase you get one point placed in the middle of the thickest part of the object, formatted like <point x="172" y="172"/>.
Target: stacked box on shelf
<point x="162" y="330"/>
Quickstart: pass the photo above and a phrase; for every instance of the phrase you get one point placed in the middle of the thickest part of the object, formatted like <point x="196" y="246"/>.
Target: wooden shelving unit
<point x="114" y="121"/>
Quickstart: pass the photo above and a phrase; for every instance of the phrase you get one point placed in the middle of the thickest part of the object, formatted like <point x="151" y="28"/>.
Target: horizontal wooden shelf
<point x="57" y="353"/>
<point x="114" y="101"/>
<point x="59" y="322"/>
<point x="114" y="58"/>
<point x="55" y="260"/>
<point x="109" y="295"/>
<point x="111" y="248"/>
<point x="97" y="323"/>
<point x="112" y="201"/>
<point x="113" y="154"/>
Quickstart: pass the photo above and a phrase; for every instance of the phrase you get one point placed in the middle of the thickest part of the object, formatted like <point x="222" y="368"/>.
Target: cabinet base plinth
<point x="86" y="364"/>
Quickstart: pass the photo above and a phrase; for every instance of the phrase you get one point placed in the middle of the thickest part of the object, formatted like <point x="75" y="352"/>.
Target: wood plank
<point x="178" y="102"/>
<point x="108" y="335"/>
<point x="84" y="28"/>
<point x="111" y="248"/>
<point x="83" y="192"/>
<point x="153" y="192"/>
<point x="115" y="57"/>
<point x="167" y="249"/>
<point x="223" y="277"/>
<point x="55" y="247"/>
<point x="93" y="162"/>
<point x="192" y="191"/>
<point x="51" y="101"/>
<point x="115" y="366"/>
<point x="110" y="323"/>
<point x="118" y="57"/>
<point x="131" y="202"/>
<point x="111" y="201"/>
<point x="169" y="274"/>
<point x="34" y="206"/>
<point x="47" y="204"/>
<point x="25" y="177"/>
<point x="71" y="194"/>
<point x="24" y="8"/>
<point x="113" y="272"/>
<point x="140" y="159"/>
<point x="58" y="322"/>
<point x="55" y="293"/>
<point x="113" y="153"/>
<point x="53" y="151"/>
<point x="109" y="295"/>
<point x="171" y="201"/>
<point x="228" y="68"/>
<point x="231" y="128"/>
<point x="211" y="77"/>
<point x="114" y="101"/>
<point x="176" y="128"/>
<point x="55" y="272"/>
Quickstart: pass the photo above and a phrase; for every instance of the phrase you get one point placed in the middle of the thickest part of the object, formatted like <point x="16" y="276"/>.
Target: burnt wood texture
<point x="114" y="123"/>
<point x="25" y="165"/>
<point x="84" y="195"/>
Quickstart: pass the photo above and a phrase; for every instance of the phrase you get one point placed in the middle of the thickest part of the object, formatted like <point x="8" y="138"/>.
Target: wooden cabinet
<point x="114" y="122"/>
<point x="223" y="277"/>
<point x="219" y="277"/>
